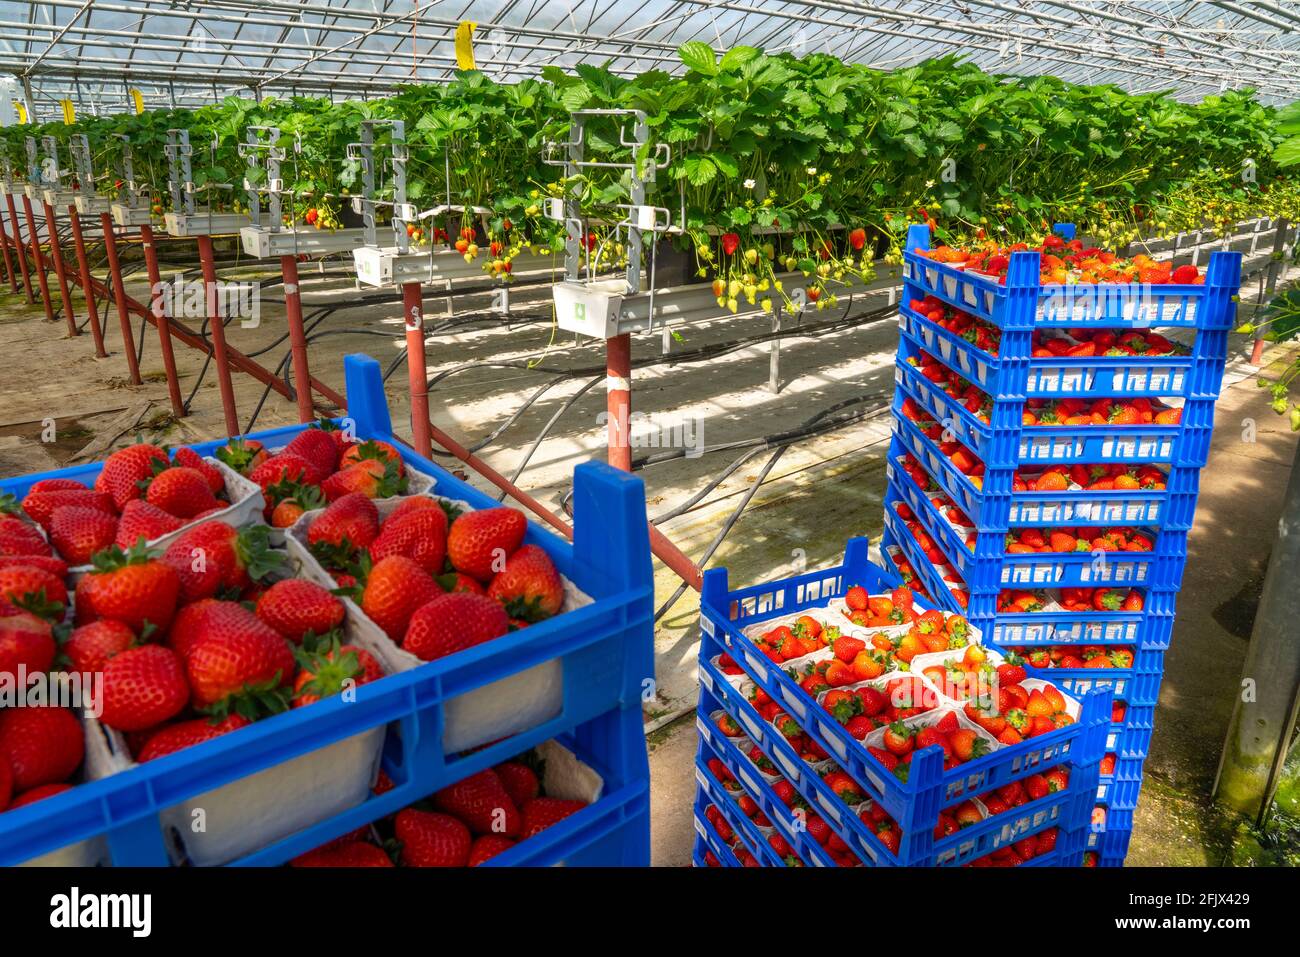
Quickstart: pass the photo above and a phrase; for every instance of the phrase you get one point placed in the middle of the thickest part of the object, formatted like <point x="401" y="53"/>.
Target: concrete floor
<point x="822" y="491"/>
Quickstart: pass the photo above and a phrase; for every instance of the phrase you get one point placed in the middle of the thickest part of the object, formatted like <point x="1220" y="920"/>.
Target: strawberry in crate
<point x="895" y="745"/>
<point x="1025" y="849"/>
<point x="804" y="635"/>
<point x="1012" y="711"/>
<point x="1078" y="656"/>
<point x="865" y="708"/>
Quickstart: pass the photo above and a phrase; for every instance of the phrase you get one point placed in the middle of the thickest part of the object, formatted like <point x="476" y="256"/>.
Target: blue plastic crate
<point x="713" y="744"/>
<point x="708" y="839"/>
<point x="989" y="561"/>
<point x="1138" y="686"/>
<point x="1068" y="809"/>
<point x="605" y="650"/>
<point x="709" y="790"/>
<point x="1022" y="302"/>
<point x="1055" y="377"/>
<point x="914" y="805"/>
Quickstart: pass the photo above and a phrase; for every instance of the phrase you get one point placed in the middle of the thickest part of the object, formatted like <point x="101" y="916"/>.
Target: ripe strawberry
<point x="285" y="465"/>
<point x="394" y="588"/>
<point x="140" y="520"/>
<point x="78" y="533"/>
<point x="26" y="642"/>
<point x="298" y="500"/>
<point x="372" y="450"/>
<point x="214" y="559"/>
<point x="371" y="477"/>
<point x="479" y="543"/>
<point x="38" y="794"/>
<point x="55" y="566"/>
<point x="242" y="455"/>
<point x="89" y="647"/>
<point x="55" y="484"/>
<point x="124" y="469"/>
<point x="419" y="535"/>
<point x="185" y="734"/>
<point x="40" y="506"/>
<point x="240" y="665"/>
<point x="190" y="459"/>
<point x="182" y="492"/>
<point x="331" y="670"/>
<point x="482" y="803"/>
<point x="348" y="523"/>
<point x="34" y="589"/>
<point x="540" y="813"/>
<point x="459" y="581"/>
<point x="519" y="780"/>
<point x="528" y="586"/>
<point x="452" y="622"/>
<point x="316" y="447"/>
<point x="44" y="745"/>
<point x="18" y="538"/>
<point x="351" y="854"/>
<point x="431" y="840"/>
<point x="418" y="503"/>
<point x="143" y="687"/>
<point x="487" y="847"/>
<point x="132" y="587"/>
<point x="294" y="607"/>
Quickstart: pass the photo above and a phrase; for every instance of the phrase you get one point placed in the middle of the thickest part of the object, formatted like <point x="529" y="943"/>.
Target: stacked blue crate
<point x="914" y="804"/>
<point x="604" y="649"/>
<point x="1010" y="378"/>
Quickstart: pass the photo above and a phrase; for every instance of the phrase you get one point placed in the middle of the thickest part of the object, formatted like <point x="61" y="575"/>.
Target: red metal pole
<point x="416" y="369"/>
<point x="11" y="274"/>
<point x="161" y="321"/>
<point x="297" y="338"/>
<point x="37" y="258"/>
<point x="119" y="297"/>
<point x="218" y="328"/>
<point x="60" y="271"/>
<point x="83" y="265"/>
<point x="18" y="247"/>
<point x="618" y="385"/>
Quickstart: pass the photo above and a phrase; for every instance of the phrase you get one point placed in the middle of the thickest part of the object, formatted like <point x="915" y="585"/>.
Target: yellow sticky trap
<point x="69" y="113"/>
<point x="465" y="45"/>
<point x="138" y="99"/>
<point x="22" y="112"/>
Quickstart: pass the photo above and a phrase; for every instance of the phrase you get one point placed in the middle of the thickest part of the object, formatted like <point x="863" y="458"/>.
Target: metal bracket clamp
<point x="33" y="162"/>
<point x="180" y="170"/>
<point x="364" y="151"/>
<point x="263" y="141"/>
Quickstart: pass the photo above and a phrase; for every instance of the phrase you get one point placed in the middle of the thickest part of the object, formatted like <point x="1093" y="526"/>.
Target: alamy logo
<point x="193" y="299"/>
<point x="76" y="910"/>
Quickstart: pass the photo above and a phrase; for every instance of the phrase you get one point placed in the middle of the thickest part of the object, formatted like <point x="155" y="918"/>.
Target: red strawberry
<point x="413" y="503"/>
<point x="143" y="687"/>
<point x="419" y="535"/>
<point x="185" y="734"/>
<point x="40" y="506"/>
<point x="89" y="647"/>
<point x="38" y="794"/>
<point x="529" y="586"/>
<point x="348" y="523"/>
<point x="285" y="465"/>
<point x="326" y="673"/>
<point x="55" y="566"/>
<point x="125" y="469"/>
<point x="394" y="588"/>
<point x="19" y="538"/>
<point x="452" y="622"/>
<point x="371" y="477"/>
<point x="294" y="501"/>
<point x="372" y="450"/>
<point x="540" y="813"/>
<point x="479" y="543"/>
<point x="132" y="587"/>
<point x="351" y="854"/>
<point x="294" y="607"/>
<point x="182" y="492"/>
<point x="214" y="559"/>
<point x="55" y="484"/>
<point x="487" y="847"/>
<point x="33" y="589"/>
<point x="519" y="781"/>
<point x="241" y="665"/>
<point x="459" y="581"/>
<point x="78" y="533"/>
<point x="142" y="520"/>
<point x="482" y="803"/>
<point x="242" y="455"/>
<point x="431" y="840"/>
<point x="192" y="460"/>
<point x="44" y="745"/>
<point x="26" y="642"/>
<point x="316" y="447"/>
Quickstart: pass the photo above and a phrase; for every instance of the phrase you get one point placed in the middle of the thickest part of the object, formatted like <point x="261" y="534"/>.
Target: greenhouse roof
<point x="189" y="53"/>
